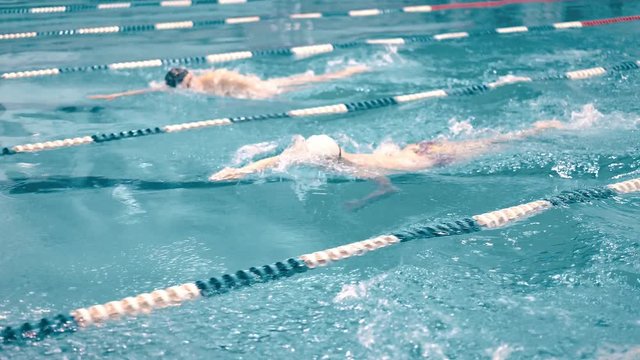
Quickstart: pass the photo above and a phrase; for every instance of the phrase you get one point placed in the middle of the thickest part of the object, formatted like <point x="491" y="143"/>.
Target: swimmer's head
<point x="322" y="146"/>
<point x="175" y="76"/>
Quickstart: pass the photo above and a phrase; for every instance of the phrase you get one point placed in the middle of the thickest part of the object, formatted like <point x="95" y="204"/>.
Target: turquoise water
<point x="101" y="222"/>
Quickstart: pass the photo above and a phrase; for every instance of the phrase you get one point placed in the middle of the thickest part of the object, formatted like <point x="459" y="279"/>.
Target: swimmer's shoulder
<point x="213" y="74"/>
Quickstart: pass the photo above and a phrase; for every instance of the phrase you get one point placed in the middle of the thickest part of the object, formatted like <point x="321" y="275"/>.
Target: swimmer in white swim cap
<point x="315" y="149"/>
<point x="324" y="152"/>
<point x="228" y="83"/>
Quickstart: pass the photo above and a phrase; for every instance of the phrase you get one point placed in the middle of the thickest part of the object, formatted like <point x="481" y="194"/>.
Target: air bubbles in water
<point x="460" y="127"/>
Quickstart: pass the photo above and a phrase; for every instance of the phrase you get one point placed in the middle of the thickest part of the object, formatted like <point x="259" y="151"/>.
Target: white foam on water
<point x="250" y="151"/>
<point x="347" y="141"/>
<point x="502" y="352"/>
<point x="387" y="55"/>
<point x="433" y="351"/>
<point x="357" y="290"/>
<point x="564" y="169"/>
<point x="463" y="127"/>
<point x="125" y="196"/>
<point x="387" y="147"/>
<point x="156" y="84"/>
<point x="587" y="117"/>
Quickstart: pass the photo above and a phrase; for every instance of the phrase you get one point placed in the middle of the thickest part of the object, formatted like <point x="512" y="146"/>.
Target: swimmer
<point x="228" y="83"/>
<point x="324" y="152"/>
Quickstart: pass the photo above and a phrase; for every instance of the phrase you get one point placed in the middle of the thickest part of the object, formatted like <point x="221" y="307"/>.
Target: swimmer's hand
<point x="228" y="174"/>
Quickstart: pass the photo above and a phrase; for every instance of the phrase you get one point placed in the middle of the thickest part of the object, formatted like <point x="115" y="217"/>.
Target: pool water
<point x="96" y="223"/>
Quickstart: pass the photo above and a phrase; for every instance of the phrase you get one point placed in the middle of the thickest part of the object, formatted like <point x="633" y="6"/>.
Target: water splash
<point x="309" y="181"/>
<point x="564" y="169"/>
<point x="346" y="140"/>
<point x="341" y="63"/>
<point x="460" y="127"/>
<point x="587" y="117"/>
<point x="388" y="55"/>
<point x="386" y="147"/>
<point x="156" y="84"/>
<point x="249" y="152"/>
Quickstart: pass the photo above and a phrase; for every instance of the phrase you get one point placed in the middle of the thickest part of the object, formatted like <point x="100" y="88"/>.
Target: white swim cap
<point x="323" y="146"/>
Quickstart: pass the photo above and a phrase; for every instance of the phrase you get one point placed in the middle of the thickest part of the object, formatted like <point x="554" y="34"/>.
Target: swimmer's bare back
<point x="411" y="158"/>
<point x="376" y="166"/>
<point x="228" y="83"/>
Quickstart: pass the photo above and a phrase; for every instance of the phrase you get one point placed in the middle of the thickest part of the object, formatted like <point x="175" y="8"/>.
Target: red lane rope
<point x="486" y="4"/>
<point x="610" y="21"/>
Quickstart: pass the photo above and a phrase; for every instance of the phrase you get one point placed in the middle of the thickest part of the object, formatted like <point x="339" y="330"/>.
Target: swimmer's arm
<point x="466" y="149"/>
<point x="385" y="188"/>
<point x="125" y="93"/>
<point x="261" y="165"/>
<point x="227" y="174"/>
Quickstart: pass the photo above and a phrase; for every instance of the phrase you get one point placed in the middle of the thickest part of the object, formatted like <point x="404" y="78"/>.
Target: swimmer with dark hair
<point x="324" y="152"/>
<point x="223" y="82"/>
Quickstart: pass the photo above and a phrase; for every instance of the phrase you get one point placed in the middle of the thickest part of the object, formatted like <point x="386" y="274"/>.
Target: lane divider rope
<point x="56" y="9"/>
<point x="123" y="5"/>
<point x="303" y="51"/>
<point x="319" y="110"/>
<point x="196" y="24"/>
<point x="147" y="302"/>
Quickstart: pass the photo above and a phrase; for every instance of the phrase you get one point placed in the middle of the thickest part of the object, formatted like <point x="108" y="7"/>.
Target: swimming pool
<point x="95" y="223"/>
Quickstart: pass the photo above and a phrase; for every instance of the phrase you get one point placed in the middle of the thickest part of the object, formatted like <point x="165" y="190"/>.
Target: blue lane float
<point x="73" y="8"/>
<point x="147" y="302"/>
<point x="57" y="9"/>
<point x="187" y="24"/>
<point x="296" y="51"/>
<point x="320" y="110"/>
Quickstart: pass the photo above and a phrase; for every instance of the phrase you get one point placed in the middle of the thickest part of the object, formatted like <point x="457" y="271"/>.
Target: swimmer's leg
<point x="537" y="128"/>
<point x="385" y="188"/>
<point x="467" y="149"/>
<point x="286" y="83"/>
